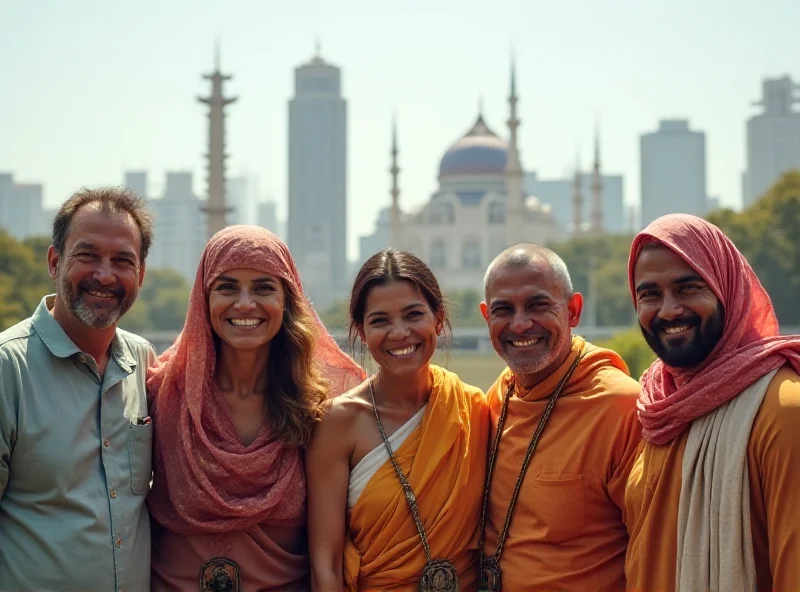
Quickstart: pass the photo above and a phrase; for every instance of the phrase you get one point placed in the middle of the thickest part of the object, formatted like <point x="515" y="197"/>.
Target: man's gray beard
<point x="96" y="318"/>
<point x="537" y="365"/>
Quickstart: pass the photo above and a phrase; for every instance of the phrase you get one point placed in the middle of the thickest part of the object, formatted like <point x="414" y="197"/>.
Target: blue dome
<point x="479" y="152"/>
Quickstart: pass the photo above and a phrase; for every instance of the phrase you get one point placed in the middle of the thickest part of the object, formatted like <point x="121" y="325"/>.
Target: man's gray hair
<point x="523" y="254"/>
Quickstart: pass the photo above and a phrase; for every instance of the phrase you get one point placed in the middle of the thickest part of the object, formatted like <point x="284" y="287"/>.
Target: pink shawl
<point x="750" y="347"/>
<point x="205" y="480"/>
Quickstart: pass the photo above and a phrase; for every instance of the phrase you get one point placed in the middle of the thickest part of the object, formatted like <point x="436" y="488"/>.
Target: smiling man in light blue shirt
<point x="75" y="435"/>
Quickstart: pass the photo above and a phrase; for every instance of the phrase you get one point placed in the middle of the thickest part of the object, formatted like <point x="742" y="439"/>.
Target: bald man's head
<point x="530" y="309"/>
<point x="529" y="255"/>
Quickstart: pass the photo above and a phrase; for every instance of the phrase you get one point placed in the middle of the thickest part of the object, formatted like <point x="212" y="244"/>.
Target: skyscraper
<point x="237" y="199"/>
<point x="21" y="208"/>
<point x="179" y="227"/>
<point x="136" y="181"/>
<point x="317" y="225"/>
<point x="773" y="138"/>
<point x="673" y="171"/>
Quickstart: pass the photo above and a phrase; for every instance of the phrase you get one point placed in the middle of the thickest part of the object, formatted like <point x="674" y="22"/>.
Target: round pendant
<point x="439" y="575"/>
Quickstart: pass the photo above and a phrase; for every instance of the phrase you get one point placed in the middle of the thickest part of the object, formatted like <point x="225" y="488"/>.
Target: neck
<point x="528" y="381"/>
<point x="407" y="390"/>
<point x="244" y="372"/>
<point x="89" y="340"/>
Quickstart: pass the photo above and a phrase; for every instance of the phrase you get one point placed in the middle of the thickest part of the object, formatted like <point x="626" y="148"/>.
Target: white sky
<point x="92" y="88"/>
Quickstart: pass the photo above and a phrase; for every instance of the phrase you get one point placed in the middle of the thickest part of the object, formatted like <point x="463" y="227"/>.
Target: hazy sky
<point x="93" y="88"/>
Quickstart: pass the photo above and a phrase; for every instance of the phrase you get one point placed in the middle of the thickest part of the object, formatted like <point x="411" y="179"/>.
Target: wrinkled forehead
<point x="513" y="283"/>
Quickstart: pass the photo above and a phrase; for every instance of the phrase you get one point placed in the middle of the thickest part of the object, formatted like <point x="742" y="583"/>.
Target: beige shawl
<point x="715" y="546"/>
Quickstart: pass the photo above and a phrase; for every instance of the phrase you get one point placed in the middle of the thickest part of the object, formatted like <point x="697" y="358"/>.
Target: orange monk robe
<point x="444" y="460"/>
<point x="568" y="530"/>
<point x="773" y="468"/>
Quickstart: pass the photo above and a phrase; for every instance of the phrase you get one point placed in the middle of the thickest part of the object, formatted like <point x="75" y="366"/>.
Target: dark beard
<point x="687" y="354"/>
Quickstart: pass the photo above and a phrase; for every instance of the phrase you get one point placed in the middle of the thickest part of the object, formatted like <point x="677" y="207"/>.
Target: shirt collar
<point x="60" y="345"/>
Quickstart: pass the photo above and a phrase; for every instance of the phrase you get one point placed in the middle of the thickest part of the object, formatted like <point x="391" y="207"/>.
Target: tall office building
<point x="237" y="199"/>
<point x="180" y="227"/>
<point x="773" y="138"/>
<point x="136" y="181"/>
<point x="21" y="208"/>
<point x="317" y="224"/>
<point x="673" y="171"/>
<point x="558" y="193"/>
<point x="268" y="216"/>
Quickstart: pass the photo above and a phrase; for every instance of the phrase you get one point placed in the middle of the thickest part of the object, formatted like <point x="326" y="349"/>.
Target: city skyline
<point x="611" y="65"/>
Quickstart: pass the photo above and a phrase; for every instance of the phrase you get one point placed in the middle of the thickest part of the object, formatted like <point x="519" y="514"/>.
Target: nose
<point x="104" y="273"/>
<point x="245" y="302"/>
<point x="520" y="322"/>
<point x="398" y="331"/>
<point x="671" y="308"/>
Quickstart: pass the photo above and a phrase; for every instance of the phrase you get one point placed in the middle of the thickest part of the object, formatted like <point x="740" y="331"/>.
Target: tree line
<point x="768" y="233"/>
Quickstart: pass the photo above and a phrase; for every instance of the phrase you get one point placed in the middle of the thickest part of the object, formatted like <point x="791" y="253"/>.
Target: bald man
<point x="563" y="425"/>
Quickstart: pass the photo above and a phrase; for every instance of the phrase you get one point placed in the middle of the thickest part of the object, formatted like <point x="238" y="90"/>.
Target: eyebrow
<point x="685" y="279"/>
<point x="539" y="296"/>
<point x="85" y="245"/>
<point x="261" y="280"/>
<point x="411" y="306"/>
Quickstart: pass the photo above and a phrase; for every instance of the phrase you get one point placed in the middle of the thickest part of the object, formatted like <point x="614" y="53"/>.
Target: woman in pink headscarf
<point x="234" y="402"/>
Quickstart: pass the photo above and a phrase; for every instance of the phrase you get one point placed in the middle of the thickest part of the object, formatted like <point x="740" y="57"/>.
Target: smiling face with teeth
<point x="400" y="329"/>
<point x="681" y="318"/>
<point x="246" y="307"/>
<point x="530" y="315"/>
<point x="99" y="273"/>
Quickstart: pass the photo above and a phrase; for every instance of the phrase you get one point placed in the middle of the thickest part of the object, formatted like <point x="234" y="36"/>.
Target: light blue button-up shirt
<point x="75" y="462"/>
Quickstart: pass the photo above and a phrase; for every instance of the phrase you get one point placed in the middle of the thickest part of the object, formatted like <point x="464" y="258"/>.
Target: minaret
<point x="515" y="196"/>
<point x="394" y="218"/>
<point x="215" y="208"/>
<point x="577" y="199"/>
<point x="597" y="189"/>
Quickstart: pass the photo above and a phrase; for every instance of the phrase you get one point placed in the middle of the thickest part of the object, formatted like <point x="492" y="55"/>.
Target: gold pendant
<point x="489" y="576"/>
<point x="439" y="575"/>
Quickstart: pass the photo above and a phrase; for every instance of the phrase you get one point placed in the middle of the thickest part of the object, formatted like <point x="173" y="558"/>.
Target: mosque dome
<point x="479" y="152"/>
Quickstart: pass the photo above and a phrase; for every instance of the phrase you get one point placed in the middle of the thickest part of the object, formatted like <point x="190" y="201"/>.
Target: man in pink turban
<point x="713" y="495"/>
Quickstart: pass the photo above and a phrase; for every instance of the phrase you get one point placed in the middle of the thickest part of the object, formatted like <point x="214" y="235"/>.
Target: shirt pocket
<point x="140" y="454"/>
<point x="559" y="511"/>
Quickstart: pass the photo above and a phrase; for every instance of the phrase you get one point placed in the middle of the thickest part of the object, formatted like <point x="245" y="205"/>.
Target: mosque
<point x="480" y="207"/>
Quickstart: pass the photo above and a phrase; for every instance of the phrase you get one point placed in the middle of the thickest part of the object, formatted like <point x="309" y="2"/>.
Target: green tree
<point x="607" y="256"/>
<point x="632" y="347"/>
<point x="768" y="234"/>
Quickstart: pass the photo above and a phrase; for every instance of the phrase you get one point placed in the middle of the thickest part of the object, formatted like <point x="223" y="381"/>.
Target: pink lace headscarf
<point x="750" y="347"/>
<point x="205" y="479"/>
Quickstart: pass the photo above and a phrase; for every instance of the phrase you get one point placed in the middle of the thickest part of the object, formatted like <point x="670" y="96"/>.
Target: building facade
<point x="317" y="217"/>
<point x="22" y="209"/>
<point x="179" y="227"/>
<point x="479" y="209"/>
<point x="558" y="193"/>
<point x="673" y="171"/>
<point x="773" y="138"/>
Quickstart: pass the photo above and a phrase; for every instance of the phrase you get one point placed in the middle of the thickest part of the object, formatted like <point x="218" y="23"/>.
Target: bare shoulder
<point x="343" y="411"/>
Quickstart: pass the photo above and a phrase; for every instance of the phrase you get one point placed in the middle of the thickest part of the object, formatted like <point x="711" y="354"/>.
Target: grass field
<point x="480" y="370"/>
